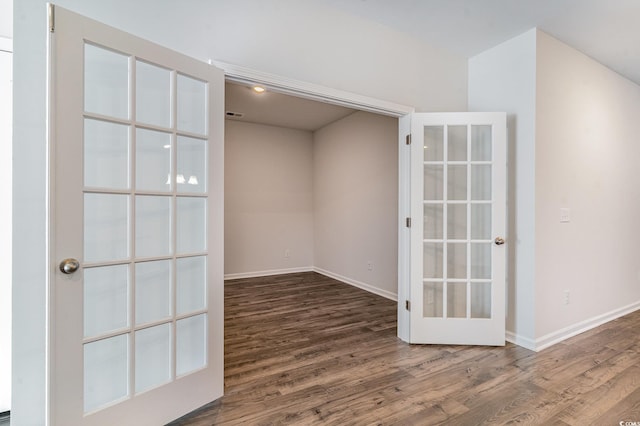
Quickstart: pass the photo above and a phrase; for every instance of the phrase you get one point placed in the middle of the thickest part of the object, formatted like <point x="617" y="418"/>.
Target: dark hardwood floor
<point x="305" y="349"/>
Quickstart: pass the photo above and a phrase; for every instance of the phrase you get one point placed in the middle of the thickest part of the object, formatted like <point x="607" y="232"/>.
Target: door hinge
<point x="52" y="18"/>
<point x="408" y="222"/>
<point x="407" y="305"/>
<point x="408" y="139"/>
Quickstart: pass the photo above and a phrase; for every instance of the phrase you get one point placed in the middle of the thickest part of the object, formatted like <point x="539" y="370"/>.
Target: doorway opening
<point x="310" y="186"/>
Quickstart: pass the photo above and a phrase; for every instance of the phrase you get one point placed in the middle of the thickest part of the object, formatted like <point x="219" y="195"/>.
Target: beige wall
<point x="355" y="185"/>
<point x="587" y="155"/>
<point x="573" y="144"/>
<point x="268" y="199"/>
<point x="504" y="79"/>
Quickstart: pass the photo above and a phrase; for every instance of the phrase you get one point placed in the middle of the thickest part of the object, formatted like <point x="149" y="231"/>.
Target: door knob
<point x="499" y="241"/>
<point x="69" y="266"/>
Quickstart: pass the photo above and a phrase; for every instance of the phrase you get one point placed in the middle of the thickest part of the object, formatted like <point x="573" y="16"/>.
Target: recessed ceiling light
<point x="259" y="89"/>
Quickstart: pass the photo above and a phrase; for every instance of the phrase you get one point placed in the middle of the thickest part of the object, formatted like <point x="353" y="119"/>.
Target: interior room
<point x="310" y="186"/>
<point x="335" y="197"/>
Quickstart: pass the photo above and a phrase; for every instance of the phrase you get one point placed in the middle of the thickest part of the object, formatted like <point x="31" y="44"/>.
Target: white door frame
<point x="301" y="89"/>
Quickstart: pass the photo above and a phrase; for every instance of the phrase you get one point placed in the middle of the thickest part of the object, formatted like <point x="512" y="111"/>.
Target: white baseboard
<point x="367" y="287"/>
<point x="516" y="339"/>
<point x="558" y="336"/>
<point x="268" y="273"/>
<point x="582" y="326"/>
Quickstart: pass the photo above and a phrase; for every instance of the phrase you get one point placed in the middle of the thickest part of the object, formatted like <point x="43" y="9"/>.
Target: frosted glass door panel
<point x="134" y="314"/>
<point x="153" y="161"/>
<point x="457" y="183"/>
<point x="433" y="143"/>
<point x="106" y="82"/>
<point x="106" y="154"/>
<point x="153" y="357"/>
<point x="153" y="291"/>
<point x="457" y="221"/>
<point x="190" y="344"/>
<point x="457" y="300"/>
<point x="433" y="260"/>
<point x="481" y="300"/>
<point x="457" y="260"/>
<point x="191" y="284"/>
<point x="433" y="222"/>
<point x="457" y="143"/>
<point x="192" y="165"/>
<point x="432" y="300"/>
<point x="455" y="278"/>
<point x="433" y="183"/>
<point x="480" y="143"/>
<point x="106" y="227"/>
<point x="192" y="106"/>
<point x="191" y="225"/>
<point x="481" y="182"/>
<point x="481" y="260"/>
<point x="153" y="226"/>
<point x="106" y="299"/>
<point x="480" y="221"/>
<point x="106" y="372"/>
<point x="153" y="94"/>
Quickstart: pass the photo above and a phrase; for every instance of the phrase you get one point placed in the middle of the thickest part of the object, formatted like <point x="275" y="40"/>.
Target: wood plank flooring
<point x="305" y="349"/>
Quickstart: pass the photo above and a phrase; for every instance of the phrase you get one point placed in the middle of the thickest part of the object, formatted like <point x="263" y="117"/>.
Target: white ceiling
<point x="606" y="30"/>
<point x="276" y="109"/>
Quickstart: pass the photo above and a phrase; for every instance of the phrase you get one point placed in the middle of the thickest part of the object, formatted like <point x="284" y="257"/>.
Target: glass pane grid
<point x="462" y="162"/>
<point x="137" y="349"/>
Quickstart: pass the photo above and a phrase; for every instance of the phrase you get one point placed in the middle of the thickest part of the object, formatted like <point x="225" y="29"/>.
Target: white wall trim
<point x="565" y="333"/>
<point x="6" y="44"/>
<point x="367" y="287"/>
<point x="516" y="339"/>
<point x="582" y="326"/>
<point x="268" y="273"/>
<point x="277" y="83"/>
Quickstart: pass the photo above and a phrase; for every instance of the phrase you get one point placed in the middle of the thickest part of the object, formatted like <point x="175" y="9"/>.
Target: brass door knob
<point x="69" y="266"/>
<point x="499" y="241"/>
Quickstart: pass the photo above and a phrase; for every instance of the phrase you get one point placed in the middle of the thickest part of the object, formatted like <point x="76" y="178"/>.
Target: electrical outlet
<point x="287" y="253"/>
<point x="370" y="265"/>
<point x="566" y="297"/>
<point x="565" y="215"/>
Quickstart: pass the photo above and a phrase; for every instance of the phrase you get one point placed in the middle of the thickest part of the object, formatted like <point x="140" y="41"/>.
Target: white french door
<point x="458" y="212"/>
<point x="136" y="228"/>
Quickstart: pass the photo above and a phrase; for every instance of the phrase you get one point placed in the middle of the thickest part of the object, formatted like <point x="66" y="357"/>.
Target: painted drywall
<point x="573" y="130"/>
<point x="503" y="79"/>
<point x="299" y="39"/>
<point x="587" y="155"/>
<point x="268" y="199"/>
<point x="355" y="182"/>
<point x="5" y="228"/>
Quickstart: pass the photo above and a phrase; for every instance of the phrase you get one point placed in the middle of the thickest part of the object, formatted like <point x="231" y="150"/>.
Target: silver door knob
<point x="69" y="266"/>
<point x="499" y="241"/>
